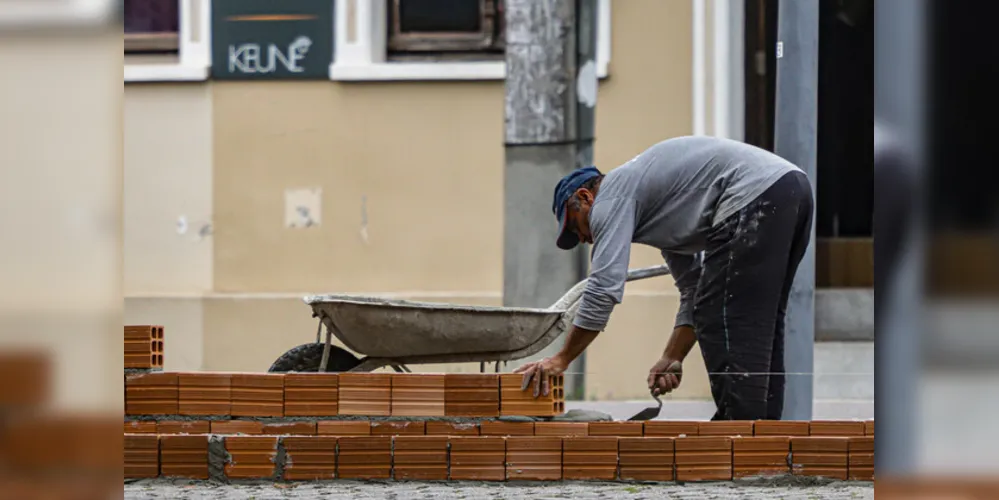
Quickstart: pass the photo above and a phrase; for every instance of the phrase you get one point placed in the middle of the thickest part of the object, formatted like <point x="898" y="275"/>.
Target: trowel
<point x="650" y="412"/>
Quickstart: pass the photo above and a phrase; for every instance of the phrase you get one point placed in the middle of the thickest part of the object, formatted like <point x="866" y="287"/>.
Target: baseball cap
<point x="565" y="188"/>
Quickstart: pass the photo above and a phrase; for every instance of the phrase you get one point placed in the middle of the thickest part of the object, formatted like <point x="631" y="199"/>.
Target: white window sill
<point x="425" y="71"/>
<point x="165" y="73"/>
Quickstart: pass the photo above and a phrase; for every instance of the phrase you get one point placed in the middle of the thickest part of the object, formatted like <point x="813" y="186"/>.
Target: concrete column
<point x="540" y="147"/>
<point x="795" y="139"/>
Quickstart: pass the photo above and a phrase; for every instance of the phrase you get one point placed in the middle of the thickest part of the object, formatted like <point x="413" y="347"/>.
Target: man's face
<point x="578" y="214"/>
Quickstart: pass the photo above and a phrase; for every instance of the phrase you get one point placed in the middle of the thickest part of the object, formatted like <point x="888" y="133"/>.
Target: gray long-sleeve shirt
<point x="668" y="197"/>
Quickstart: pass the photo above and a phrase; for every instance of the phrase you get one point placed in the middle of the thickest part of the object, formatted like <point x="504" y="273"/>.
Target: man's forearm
<point x="680" y="343"/>
<point x="577" y="342"/>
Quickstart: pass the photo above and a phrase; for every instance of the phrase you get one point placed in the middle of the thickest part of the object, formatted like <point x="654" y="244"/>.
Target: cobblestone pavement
<point x="352" y="490"/>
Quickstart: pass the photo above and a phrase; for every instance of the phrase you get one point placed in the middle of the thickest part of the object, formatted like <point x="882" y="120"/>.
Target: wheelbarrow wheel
<point x="307" y="357"/>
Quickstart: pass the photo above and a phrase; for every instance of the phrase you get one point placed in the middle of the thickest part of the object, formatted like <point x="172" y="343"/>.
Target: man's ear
<point x="585" y="195"/>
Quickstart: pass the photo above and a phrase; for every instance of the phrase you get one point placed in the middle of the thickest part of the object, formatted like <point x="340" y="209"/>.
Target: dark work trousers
<point x="747" y="270"/>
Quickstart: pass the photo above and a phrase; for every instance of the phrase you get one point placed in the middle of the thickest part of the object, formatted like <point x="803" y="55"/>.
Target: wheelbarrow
<point x="397" y="333"/>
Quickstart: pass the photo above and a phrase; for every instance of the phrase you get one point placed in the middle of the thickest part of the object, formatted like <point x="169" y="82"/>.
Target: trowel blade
<point x="648" y="413"/>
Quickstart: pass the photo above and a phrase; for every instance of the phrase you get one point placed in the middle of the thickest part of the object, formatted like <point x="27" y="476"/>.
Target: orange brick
<point x="205" y="393"/>
<point x="141" y="456"/>
<point x="418" y="394"/>
<point x="760" y="456"/>
<point x="842" y="428"/>
<point x="669" y="428"/>
<point x="586" y="458"/>
<point x="730" y="428"/>
<point x="143" y="347"/>
<point x="619" y="429"/>
<point x="437" y="428"/>
<point x="362" y="457"/>
<point x="501" y="428"/>
<point x="399" y="428"/>
<point x="703" y="458"/>
<point x="869" y="428"/>
<point x="860" y="465"/>
<point x="309" y="458"/>
<point x="344" y="427"/>
<point x="257" y="395"/>
<point x="820" y="456"/>
<point x="290" y="429"/>
<point x="423" y="458"/>
<point x="151" y="394"/>
<point x="646" y="458"/>
<point x="780" y="428"/>
<point x="366" y="394"/>
<point x="184" y="456"/>
<point x="471" y="395"/>
<point x="237" y="427"/>
<point x="251" y="456"/>
<point x="140" y="427"/>
<point x="534" y="458"/>
<point x="478" y="458"/>
<point x="183" y="427"/>
<point x="562" y="429"/>
<point x="25" y="379"/>
<point x="517" y="401"/>
<point x="311" y="394"/>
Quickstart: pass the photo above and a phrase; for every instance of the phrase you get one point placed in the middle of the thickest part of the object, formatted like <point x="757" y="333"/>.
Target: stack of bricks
<point x="143" y="347"/>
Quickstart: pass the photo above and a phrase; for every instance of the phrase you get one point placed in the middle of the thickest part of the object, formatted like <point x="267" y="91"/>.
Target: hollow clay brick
<point x="478" y="458"/>
<point x="563" y="429"/>
<point x="471" y="395"/>
<point x="311" y="394"/>
<point x="205" y="393"/>
<point x="669" y="428"/>
<point x="780" y="428"/>
<point x="234" y="427"/>
<point x="437" y="428"/>
<point x="398" y="428"/>
<point x="646" y="458"/>
<point x="703" y="458"/>
<point x="257" y="395"/>
<point x="151" y="394"/>
<point x="860" y="466"/>
<point x="309" y="458"/>
<point x="619" y="429"/>
<point x="290" y="429"/>
<point x="140" y="427"/>
<point x="820" y="457"/>
<point x="363" y="457"/>
<point x="251" y="456"/>
<point x="365" y="394"/>
<point x="534" y="458"/>
<point x="589" y="458"/>
<point x="501" y="428"/>
<point x="141" y="456"/>
<point x="760" y="456"/>
<point x="423" y="458"/>
<point x="343" y="427"/>
<point x="515" y="401"/>
<point x="184" y="456"/>
<point x="183" y="427"/>
<point x="729" y="428"/>
<point x="841" y="428"/>
<point x="418" y="395"/>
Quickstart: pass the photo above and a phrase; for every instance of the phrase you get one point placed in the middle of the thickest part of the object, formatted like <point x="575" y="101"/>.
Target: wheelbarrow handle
<point x="570" y="301"/>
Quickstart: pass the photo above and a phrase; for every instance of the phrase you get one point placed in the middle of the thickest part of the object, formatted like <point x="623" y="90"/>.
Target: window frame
<point x="361" y="49"/>
<point x="459" y="42"/>
<point x="194" y="49"/>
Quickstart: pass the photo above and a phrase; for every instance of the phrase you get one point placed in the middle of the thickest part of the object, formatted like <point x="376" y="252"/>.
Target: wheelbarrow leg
<point x="326" y="349"/>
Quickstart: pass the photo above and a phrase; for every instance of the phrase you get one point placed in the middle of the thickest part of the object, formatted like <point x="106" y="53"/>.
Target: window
<point x="443" y="28"/>
<point x="151" y="26"/>
<point x="167" y="40"/>
<point x="431" y="40"/>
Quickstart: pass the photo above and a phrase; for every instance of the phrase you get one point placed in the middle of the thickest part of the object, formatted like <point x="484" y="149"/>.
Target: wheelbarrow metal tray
<point x="390" y="328"/>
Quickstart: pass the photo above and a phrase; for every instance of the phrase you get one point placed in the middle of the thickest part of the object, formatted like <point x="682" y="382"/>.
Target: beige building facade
<point x="403" y="180"/>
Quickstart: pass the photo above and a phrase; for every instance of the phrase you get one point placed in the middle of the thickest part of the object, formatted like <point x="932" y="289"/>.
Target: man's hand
<point x="665" y="376"/>
<point x="539" y="371"/>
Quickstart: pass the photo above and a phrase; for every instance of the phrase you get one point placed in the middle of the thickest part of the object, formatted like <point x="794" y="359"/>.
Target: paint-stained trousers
<point x="747" y="270"/>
